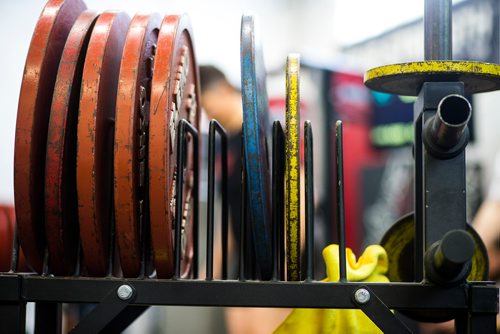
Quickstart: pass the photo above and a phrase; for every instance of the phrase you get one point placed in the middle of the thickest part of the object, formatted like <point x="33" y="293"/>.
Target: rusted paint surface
<point x="256" y="135"/>
<point x="35" y="99"/>
<point x="174" y="96"/>
<point x="95" y="138"/>
<point x="407" y="78"/>
<point x="130" y="147"/>
<point x="61" y="207"/>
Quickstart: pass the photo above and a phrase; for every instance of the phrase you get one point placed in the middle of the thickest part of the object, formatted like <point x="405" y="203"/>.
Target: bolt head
<point x="362" y="296"/>
<point x="125" y="292"/>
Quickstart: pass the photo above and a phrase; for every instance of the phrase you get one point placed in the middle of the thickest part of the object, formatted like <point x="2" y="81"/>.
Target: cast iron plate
<point x="131" y="131"/>
<point x="174" y="96"/>
<point x="61" y="207"/>
<point x="256" y="131"/>
<point x="95" y="138"/>
<point x="292" y="170"/>
<point x="35" y="99"/>
<point x="408" y="78"/>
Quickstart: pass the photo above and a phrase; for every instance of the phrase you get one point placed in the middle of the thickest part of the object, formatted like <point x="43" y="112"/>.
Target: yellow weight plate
<point x="292" y="171"/>
<point x="398" y="242"/>
<point x="407" y="78"/>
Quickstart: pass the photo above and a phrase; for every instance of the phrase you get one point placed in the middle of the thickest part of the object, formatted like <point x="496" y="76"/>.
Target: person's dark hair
<point x="211" y="76"/>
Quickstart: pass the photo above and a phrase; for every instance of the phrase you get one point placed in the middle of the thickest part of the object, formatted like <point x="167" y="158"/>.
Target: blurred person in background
<point x="222" y="101"/>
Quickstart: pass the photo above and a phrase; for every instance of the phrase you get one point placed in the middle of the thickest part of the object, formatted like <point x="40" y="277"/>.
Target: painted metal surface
<point x="35" y="98"/>
<point x="61" y="207"/>
<point x="131" y="145"/>
<point x="398" y="242"/>
<point x="407" y="78"/>
<point x="95" y="138"/>
<point x="256" y="131"/>
<point x="292" y="169"/>
<point x="174" y="96"/>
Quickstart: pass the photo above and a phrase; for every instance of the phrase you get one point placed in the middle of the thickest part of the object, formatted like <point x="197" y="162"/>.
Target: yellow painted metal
<point x="407" y="78"/>
<point x="292" y="170"/>
<point x="398" y="243"/>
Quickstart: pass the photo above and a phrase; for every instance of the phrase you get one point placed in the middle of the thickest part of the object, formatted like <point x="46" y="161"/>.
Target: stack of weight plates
<point x="95" y="148"/>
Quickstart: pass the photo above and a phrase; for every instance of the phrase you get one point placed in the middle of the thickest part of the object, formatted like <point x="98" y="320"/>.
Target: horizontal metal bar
<point x="10" y="287"/>
<point x="398" y="296"/>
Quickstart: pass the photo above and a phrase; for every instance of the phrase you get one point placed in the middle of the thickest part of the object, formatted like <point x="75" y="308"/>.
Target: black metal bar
<point x="448" y="127"/>
<point x="78" y="265"/>
<point x="181" y="153"/>
<point x="125" y="319"/>
<point x="225" y="203"/>
<point x="340" y="199"/>
<point x="111" y="255"/>
<point x="196" y="199"/>
<point x="309" y="185"/>
<point x="109" y="307"/>
<point x="378" y="312"/>
<point x="418" y="243"/>
<point x="183" y="127"/>
<point x="215" y="128"/>
<point x="12" y="307"/>
<point x="48" y="318"/>
<point x="401" y="296"/>
<point x="243" y="216"/>
<point x="437" y="30"/>
<point x="45" y="268"/>
<point x="145" y="232"/>
<point x="483" y="309"/>
<point x="277" y="198"/>
<point x="14" y="260"/>
<point x="210" y="204"/>
<point x="13" y="317"/>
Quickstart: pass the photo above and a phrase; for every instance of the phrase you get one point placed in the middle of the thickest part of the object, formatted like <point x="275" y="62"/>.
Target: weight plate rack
<point x="431" y="293"/>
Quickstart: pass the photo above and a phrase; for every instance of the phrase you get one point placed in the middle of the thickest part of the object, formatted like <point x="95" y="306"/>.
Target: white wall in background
<point x="286" y="26"/>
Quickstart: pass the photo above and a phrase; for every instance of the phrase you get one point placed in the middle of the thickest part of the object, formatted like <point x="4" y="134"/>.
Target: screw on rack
<point x="362" y="296"/>
<point x="125" y="292"/>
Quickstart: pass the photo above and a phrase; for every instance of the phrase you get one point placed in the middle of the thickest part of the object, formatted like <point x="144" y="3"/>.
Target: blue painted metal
<point x="256" y="131"/>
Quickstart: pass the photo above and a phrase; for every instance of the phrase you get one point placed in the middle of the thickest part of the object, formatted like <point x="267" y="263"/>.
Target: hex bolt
<point x="362" y="296"/>
<point x="125" y="292"/>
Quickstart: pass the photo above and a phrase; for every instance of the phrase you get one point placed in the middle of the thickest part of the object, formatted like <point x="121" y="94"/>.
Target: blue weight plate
<point x="256" y="131"/>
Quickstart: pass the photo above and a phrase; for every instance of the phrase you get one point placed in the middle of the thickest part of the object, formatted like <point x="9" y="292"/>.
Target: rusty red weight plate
<point x="174" y="96"/>
<point x="61" y="207"/>
<point x="35" y="98"/>
<point x="131" y="140"/>
<point x="94" y="168"/>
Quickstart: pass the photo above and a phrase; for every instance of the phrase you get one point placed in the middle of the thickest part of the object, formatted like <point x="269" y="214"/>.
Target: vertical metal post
<point x="111" y="255"/>
<point x="339" y="158"/>
<point x="184" y="127"/>
<point x="243" y="215"/>
<point x="437" y="30"/>
<point x="214" y="128"/>
<point x="13" y="317"/>
<point x="210" y="204"/>
<point x="48" y="318"/>
<point x="225" y="203"/>
<point x="179" y="188"/>
<point x="309" y="166"/>
<point x="278" y="199"/>
<point x="14" y="261"/>
<point x="196" y="199"/>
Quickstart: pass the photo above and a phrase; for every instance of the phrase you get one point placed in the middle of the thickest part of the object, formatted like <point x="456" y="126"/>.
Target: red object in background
<point x="350" y="101"/>
<point x="358" y="154"/>
<point x="7" y="228"/>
